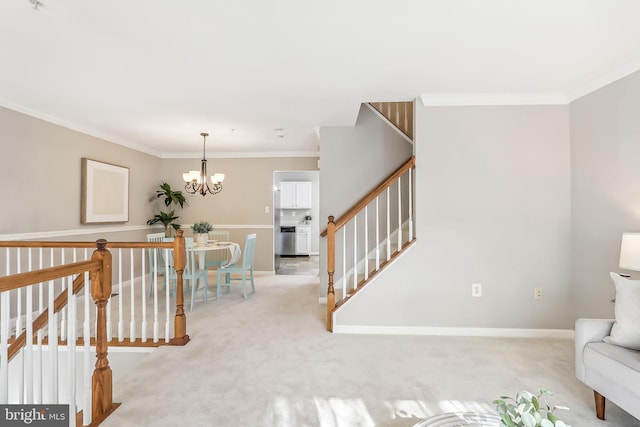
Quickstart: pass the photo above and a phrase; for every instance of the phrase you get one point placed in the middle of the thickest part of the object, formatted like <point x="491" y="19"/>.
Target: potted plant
<point x="201" y="230"/>
<point x="307" y="219"/>
<point x="526" y="410"/>
<point x="171" y="197"/>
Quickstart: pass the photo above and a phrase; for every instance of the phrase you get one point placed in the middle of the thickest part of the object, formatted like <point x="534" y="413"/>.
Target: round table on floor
<point x="455" y="419"/>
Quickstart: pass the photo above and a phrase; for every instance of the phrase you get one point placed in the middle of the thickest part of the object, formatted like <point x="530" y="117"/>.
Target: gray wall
<point x="605" y="189"/>
<point x="354" y="160"/>
<point x="492" y="207"/>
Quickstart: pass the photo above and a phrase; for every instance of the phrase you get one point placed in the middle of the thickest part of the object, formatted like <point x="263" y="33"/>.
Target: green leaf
<point x="536" y="404"/>
<point x="528" y="420"/>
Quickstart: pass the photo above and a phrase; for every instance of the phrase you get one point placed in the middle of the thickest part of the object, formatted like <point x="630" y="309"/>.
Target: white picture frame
<point x="105" y="192"/>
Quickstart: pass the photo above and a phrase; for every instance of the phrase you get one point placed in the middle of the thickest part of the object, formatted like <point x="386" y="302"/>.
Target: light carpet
<point x="268" y="361"/>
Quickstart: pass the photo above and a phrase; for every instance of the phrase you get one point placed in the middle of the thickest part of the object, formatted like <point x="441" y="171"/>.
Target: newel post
<point x="331" y="266"/>
<point x="179" y="262"/>
<point x="101" y="381"/>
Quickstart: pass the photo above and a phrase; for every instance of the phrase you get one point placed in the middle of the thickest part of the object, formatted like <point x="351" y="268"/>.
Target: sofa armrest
<point x="589" y="330"/>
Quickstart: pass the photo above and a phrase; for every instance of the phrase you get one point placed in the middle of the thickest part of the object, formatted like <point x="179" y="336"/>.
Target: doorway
<point x="296" y="234"/>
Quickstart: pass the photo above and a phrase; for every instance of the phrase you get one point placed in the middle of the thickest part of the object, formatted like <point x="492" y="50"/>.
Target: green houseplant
<point x="171" y="197"/>
<point x="527" y="410"/>
<point x="201" y="227"/>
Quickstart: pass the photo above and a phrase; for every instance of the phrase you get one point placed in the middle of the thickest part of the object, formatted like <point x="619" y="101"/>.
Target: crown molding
<point x="240" y="154"/>
<point x="604" y="79"/>
<point x="478" y="99"/>
<point x="75" y="127"/>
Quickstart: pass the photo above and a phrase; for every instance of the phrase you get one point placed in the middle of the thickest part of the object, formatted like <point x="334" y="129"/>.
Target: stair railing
<point x="359" y="247"/>
<point x="35" y="325"/>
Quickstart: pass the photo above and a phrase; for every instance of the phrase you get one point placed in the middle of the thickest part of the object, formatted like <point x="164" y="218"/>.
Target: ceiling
<point x="152" y="75"/>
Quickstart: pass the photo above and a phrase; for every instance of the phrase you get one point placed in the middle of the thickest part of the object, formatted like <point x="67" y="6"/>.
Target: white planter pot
<point x="201" y="239"/>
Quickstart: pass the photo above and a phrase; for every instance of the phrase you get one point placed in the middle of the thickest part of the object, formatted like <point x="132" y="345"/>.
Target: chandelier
<point x="197" y="182"/>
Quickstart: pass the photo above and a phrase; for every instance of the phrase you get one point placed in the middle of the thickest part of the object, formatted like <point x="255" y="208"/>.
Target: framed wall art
<point x="105" y="192"/>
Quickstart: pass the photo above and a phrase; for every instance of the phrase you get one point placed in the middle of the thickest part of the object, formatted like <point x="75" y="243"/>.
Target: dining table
<point x="212" y="245"/>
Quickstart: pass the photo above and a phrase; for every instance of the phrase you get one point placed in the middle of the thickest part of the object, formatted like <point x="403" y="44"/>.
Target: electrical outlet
<point x="476" y="290"/>
<point x="266" y="209"/>
<point x="537" y="293"/>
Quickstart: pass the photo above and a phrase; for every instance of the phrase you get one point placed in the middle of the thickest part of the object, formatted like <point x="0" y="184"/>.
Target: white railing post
<point x="143" y="314"/>
<point x="87" y="366"/>
<point x="344" y="262"/>
<point x="388" y="226"/>
<point x="355" y="252"/>
<point x="4" y="347"/>
<point x="71" y="351"/>
<point x="120" y="299"/>
<point x="377" y="233"/>
<point x="28" y="349"/>
<point x="366" y="242"/>
<point x="410" y="205"/>
<point x="399" y="215"/>
<point x="132" y="288"/>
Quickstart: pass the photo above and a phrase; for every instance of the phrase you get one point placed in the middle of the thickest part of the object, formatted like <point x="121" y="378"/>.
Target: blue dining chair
<point x="217" y="258"/>
<point x="244" y="268"/>
<point x="193" y="275"/>
<point x="195" y="279"/>
<point x="156" y="257"/>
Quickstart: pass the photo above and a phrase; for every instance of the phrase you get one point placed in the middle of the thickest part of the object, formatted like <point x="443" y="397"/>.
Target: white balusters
<point x="399" y="214"/>
<point x="143" y="293"/>
<point x="410" y="195"/>
<point x="355" y="252"/>
<point x="377" y="233"/>
<point x="63" y="312"/>
<point x="366" y="243"/>
<point x="167" y="287"/>
<point x="28" y="350"/>
<point x="388" y="239"/>
<point x="120" y="295"/>
<point x="4" y="347"/>
<point x="87" y="367"/>
<point x="132" y="287"/>
<point x="52" y="370"/>
<point x="71" y="349"/>
<point x="344" y="262"/>
<point x="156" y="326"/>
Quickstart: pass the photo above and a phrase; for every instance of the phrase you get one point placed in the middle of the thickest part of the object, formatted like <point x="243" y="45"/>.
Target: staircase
<point x="368" y="237"/>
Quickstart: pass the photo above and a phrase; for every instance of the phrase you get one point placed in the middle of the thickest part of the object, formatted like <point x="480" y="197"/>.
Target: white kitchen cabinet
<point x="295" y="194"/>
<point x="303" y="240"/>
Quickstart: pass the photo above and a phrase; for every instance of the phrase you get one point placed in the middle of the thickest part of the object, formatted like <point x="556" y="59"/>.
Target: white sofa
<point x="613" y="372"/>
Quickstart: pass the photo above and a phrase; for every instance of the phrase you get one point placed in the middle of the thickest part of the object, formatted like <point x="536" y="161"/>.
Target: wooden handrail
<point x="16" y="281"/>
<point x="41" y="321"/>
<point x="362" y="203"/>
<point x="90" y="245"/>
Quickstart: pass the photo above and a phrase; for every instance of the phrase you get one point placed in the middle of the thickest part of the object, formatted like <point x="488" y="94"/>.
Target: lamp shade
<point x="630" y="251"/>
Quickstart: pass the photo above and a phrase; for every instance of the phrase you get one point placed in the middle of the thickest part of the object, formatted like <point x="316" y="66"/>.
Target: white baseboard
<point x="455" y="332"/>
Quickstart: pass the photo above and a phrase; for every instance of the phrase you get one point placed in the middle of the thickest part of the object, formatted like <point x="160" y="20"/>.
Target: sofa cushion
<point x="626" y="329"/>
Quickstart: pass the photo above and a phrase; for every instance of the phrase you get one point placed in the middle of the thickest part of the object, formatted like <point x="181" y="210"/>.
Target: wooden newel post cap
<point x="179" y="233"/>
<point x="101" y="244"/>
<point x="331" y="218"/>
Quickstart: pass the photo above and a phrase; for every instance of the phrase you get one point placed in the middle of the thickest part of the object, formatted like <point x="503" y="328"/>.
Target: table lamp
<point x="630" y="252"/>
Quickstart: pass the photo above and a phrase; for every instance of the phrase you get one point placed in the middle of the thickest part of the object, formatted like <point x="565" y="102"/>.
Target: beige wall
<point x="46" y="198"/>
<point x="40" y="175"/>
<point x="240" y="207"/>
